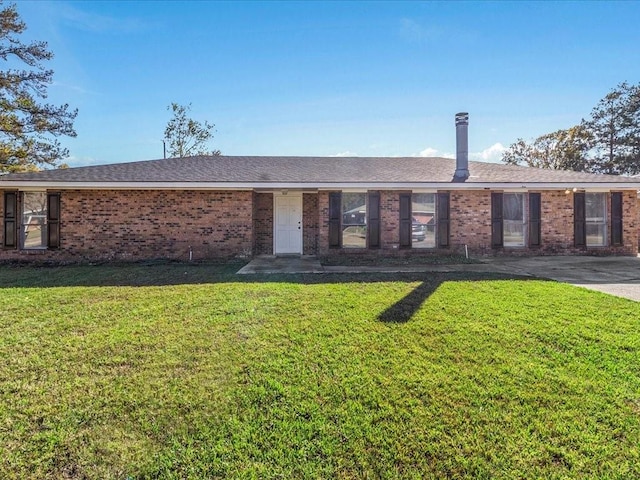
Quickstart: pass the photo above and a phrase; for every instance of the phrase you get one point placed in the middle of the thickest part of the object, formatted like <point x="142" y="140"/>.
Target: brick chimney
<point x="462" y="146"/>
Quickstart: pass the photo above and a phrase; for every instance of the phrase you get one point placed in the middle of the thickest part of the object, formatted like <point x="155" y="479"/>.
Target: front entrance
<point x="287" y="233"/>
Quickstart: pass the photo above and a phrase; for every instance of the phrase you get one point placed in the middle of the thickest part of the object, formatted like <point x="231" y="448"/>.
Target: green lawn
<point x="173" y="371"/>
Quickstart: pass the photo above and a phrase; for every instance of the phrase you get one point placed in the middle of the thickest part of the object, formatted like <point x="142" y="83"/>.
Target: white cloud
<point x="433" y="152"/>
<point x="345" y="154"/>
<point x="73" y="161"/>
<point x="490" y="154"/>
<point x="428" y="152"/>
<point x="73" y="88"/>
<point x="97" y="23"/>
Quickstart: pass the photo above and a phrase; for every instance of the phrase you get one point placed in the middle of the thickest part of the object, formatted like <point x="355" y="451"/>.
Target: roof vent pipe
<point x="462" y="146"/>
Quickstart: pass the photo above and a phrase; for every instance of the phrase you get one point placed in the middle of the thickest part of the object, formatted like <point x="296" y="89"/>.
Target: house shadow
<point x="173" y="274"/>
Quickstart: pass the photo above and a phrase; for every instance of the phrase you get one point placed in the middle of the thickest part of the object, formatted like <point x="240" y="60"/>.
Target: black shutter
<point x="373" y="227"/>
<point x="616" y="218"/>
<point x="335" y="210"/>
<point x="10" y="220"/>
<point x="53" y="220"/>
<point x="535" y="224"/>
<point x="442" y="224"/>
<point x="405" y="219"/>
<point x="579" y="220"/>
<point x="496" y="220"/>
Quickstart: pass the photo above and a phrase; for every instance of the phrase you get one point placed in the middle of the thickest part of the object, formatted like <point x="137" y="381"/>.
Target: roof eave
<point x="52" y="185"/>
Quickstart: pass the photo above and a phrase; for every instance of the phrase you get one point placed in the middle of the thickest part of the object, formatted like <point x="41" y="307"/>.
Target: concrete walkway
<point x="618" y="276"/>
<point x="286" y="264"/>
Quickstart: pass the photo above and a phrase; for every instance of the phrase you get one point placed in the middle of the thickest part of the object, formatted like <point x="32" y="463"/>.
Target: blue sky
<point x="331" y="78"/>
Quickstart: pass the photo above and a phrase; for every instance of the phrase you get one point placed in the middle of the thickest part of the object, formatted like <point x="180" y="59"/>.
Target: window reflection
<point x="34" y="220"/>
<point x="423" y="221"/>
<point x="354" y="220"/>
<point x="513" y="219"/>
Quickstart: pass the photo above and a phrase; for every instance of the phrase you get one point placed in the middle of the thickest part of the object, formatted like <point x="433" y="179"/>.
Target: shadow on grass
<point x="403" y="310"/>
<point x="158" y="275"/>
<point x="150" y="275"/>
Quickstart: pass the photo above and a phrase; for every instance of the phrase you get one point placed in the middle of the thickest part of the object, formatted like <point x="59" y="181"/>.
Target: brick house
<point x="210" y="207"/>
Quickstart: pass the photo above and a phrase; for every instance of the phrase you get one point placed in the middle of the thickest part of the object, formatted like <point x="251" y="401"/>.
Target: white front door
<point x="288" y="224"/>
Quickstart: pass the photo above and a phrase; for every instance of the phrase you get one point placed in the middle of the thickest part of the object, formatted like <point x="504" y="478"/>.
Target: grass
<point x="173" y="371"/>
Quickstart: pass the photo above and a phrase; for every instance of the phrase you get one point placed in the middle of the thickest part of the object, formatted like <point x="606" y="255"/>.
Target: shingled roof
<point x="305" y="172"/>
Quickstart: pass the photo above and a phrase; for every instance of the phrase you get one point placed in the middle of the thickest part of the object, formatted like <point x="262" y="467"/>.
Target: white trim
<point x="604" y="223"/>
<point x="525" y="222"/>
<point x="261" y="186"/>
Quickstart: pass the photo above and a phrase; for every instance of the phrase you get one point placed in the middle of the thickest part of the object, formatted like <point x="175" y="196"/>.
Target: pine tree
<point x="615" y="126"/>
<point x="29" y="127"/>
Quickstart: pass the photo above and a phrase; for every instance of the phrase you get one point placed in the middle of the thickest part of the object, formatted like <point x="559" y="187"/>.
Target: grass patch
<point x="148" y="372"/>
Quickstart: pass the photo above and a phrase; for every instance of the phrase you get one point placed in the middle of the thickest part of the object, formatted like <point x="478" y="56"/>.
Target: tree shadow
<point x="170" y="274"/>
<point x="403" y="310"/>
<point x="173" y="273"/>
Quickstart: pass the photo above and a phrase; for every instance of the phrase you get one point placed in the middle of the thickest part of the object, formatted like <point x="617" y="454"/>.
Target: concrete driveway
<point x="618" y="276"/>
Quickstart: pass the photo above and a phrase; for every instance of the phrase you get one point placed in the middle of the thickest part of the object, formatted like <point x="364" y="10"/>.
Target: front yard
<point x="174" y="371"/>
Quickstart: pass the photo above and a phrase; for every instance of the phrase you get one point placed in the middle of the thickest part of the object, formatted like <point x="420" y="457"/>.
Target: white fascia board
<point x="514" y="186"/>
<point x="262" y="186"/>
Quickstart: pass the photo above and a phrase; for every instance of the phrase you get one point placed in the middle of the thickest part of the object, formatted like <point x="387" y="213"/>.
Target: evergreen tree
<point x="615" y="126"/>
<point x="28" y="127"/>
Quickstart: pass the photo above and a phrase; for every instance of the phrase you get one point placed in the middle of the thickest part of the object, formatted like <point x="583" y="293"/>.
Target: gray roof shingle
<point x="306" y="170"/>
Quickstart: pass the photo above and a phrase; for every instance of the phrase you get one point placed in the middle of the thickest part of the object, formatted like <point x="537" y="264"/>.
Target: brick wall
<point x="470" y="221"/>
<point x="310" y="223"/>
<point x="323" y="223"/>
<point x="263" y="223"/>
<point x="470" y="225"/>
<point x="556" y="222"/>
<point x="144" y="224"/>
<point x="133" y="225"/>
<point x="390" y="219"/>
<point x="630" y="222"/>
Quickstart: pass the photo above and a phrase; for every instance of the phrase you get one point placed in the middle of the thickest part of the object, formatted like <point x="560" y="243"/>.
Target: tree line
<point x="606" y="142"/>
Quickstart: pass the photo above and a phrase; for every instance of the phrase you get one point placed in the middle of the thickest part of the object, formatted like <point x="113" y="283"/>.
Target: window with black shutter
<point x="405" y="220"/>
<point x="579" y="220"/>
<point x="53" y="220"/>
<point x="616" y="218"/>
<point x="373" y="212"/>
<point x="496" y="220"/>
<point x="535" y="223"/>
<point x="443" y="219"/>
<point x="335" y="212"/>
<point x="10" y="236"/>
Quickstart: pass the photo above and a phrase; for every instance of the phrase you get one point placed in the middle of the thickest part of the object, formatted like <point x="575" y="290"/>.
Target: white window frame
<point x="600" y="220"/>
<point x="362" y="224"/>
<point x="420" y="245"/>
<point x="522" y="222"/>
<point x="27" y="222"/>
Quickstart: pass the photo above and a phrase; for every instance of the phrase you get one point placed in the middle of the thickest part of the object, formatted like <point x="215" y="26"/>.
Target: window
<point x="596" y="219"/>
<point x="34" y="233"/>
<point x="423" y="220"/>
<point x="513" y="219"/>
<point x="508" y="220"/>
<point x="354" y="220"/>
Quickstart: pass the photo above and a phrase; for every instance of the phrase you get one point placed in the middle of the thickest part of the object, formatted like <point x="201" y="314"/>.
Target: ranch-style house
<point x="226" y="206"/>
